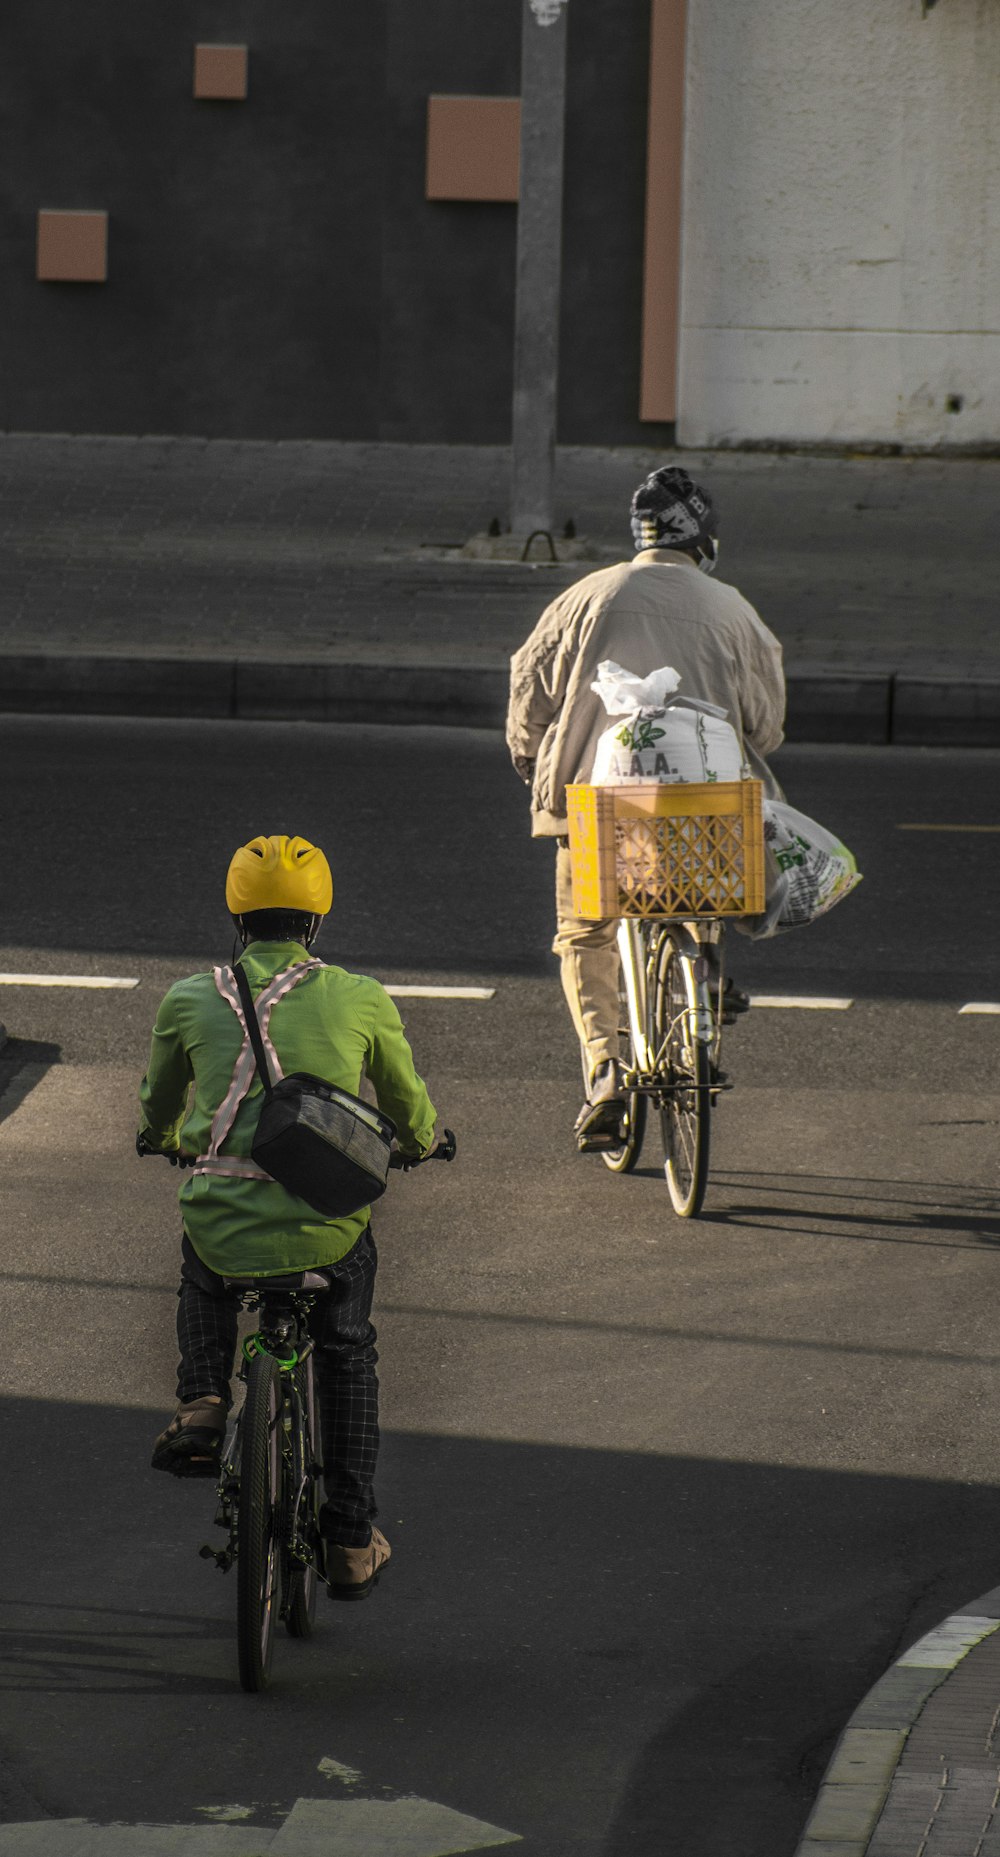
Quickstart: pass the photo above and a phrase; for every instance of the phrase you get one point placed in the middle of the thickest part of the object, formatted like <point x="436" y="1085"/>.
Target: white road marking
<point x="441" y="992"/>
<point x="336" y="1770"/>
<point x="382" y="1828"/>
<point x="800" y="1002"/>
<point x="980" y="1005"/>
<point x="79" y="1837"/>
<point x="408" y="1827"/>
<point x="948" y="828"/>
<point x="111" y="980"/>
<point x="64" y="980"/>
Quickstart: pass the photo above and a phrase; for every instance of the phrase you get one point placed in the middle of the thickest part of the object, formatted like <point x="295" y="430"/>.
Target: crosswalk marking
<point x="980" y="1005"/>
<point x="65" y="980"/>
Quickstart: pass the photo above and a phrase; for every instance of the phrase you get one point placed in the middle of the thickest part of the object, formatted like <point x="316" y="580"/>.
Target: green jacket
<point x="336" y="1025"/>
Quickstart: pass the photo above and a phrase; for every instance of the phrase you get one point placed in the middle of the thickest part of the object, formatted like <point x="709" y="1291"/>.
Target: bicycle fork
<point x="631" y="955"/>
<point x="701" y="1024"/>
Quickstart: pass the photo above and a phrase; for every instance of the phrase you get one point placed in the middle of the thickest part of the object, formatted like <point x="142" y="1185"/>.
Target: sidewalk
<point x="916" y="1773"/>
<point x="324" y="580"/>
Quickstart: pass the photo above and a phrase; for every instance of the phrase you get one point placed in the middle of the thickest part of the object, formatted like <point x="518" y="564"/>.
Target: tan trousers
<point x="588" y="956"/>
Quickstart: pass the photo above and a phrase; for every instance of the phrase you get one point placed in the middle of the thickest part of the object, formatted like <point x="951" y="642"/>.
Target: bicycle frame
<point x="284" y="1336"/>
<point x="637" y="953"/>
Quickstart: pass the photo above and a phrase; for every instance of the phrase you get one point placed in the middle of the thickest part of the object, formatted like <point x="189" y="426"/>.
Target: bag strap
<point x="253" y="1028"/>
<point x="697" y="703"/>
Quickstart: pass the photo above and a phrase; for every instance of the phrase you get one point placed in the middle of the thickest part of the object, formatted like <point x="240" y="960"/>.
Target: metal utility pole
<point x="539" y="263"/>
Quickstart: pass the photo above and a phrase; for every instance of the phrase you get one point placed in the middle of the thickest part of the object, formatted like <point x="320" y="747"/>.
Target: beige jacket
<point x="655" y="610"/>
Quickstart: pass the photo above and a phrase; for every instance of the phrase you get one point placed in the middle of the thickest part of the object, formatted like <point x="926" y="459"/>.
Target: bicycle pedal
<point x="599" y="1143"/>
<point x="223" y="1557"/>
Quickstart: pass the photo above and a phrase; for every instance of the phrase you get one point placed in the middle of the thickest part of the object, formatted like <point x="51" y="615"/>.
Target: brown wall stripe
<point x="662" y="265"/>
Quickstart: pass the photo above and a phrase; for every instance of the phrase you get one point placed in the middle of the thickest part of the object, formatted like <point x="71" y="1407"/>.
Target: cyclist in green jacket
<point x="200" y="1101"/>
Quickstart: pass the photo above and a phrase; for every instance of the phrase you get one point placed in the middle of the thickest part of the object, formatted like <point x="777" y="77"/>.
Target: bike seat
<point x="297" y="1280"/>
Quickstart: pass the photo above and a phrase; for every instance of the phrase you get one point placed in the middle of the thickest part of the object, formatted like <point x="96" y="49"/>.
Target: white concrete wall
<point x="841" y="247"/>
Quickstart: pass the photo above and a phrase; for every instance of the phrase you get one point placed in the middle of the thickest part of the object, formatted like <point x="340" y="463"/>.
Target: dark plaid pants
<point x="346" y="1380"/>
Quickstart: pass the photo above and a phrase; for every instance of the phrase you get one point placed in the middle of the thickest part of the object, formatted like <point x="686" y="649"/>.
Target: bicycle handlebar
<point x="173" y="1155"/>
<point x="445" y="1151"/>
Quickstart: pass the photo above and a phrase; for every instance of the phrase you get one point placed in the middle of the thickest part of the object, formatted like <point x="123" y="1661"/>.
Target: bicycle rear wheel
<point x="622" y="1159"/>
<point x="301" y="1581"/>
<point x="259" y="1522"/>
<point x="685" y="1106"/>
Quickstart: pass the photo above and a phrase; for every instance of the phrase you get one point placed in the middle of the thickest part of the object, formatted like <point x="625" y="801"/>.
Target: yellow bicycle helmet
<point x="279" y="873"/>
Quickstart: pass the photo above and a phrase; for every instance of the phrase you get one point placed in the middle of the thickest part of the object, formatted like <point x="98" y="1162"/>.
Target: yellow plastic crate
<point x="658" y="850"/>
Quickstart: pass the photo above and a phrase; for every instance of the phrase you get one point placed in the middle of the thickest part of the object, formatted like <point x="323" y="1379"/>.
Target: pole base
<point x="535" y="548"/>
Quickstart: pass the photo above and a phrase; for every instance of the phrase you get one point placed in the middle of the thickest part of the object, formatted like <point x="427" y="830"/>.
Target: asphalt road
<point x="665" y="1498"/>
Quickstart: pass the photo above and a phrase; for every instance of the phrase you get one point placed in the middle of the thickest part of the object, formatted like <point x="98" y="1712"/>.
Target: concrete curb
<point x="256" y="689"/>
<point x="824" y="705"/>
<point x="857" y="1781"/>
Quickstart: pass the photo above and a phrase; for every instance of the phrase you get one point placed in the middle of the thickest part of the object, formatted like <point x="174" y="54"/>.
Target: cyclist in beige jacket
<point x="652" y="611"/>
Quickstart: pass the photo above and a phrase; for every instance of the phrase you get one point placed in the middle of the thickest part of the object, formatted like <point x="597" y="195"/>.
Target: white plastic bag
<point x="660" y="736"/>
<point x="808" y="871"/>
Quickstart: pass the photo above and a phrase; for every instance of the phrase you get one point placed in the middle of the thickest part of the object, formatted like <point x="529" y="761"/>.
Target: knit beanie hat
<point x="669" y="510"/>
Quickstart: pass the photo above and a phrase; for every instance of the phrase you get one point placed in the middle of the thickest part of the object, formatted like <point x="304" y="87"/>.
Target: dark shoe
<point x="191" y="1446"/>
<point x="599" y="1123"/>
<point x="353" y="1571"/>
<point x="733" y="1002"/>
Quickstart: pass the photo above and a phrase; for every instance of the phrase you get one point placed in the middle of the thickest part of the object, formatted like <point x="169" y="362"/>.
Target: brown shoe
<point x="599" y="1123"/>
<point x="191" y="1446"/>
<point x="353" y="1571"/>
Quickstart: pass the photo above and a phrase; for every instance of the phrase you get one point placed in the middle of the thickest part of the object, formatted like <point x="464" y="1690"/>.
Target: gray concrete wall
<point x="841" y="262"/>
<point x="274" y="268"/>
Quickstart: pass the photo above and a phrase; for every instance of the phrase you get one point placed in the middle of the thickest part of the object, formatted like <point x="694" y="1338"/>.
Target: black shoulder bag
<point x="319" y="1142"/>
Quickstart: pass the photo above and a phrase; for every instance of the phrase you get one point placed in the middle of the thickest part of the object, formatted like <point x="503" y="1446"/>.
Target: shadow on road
<point x="23" y="1063"/>
<point x="917" y="1206"/>
<point x="587" y="1647"/>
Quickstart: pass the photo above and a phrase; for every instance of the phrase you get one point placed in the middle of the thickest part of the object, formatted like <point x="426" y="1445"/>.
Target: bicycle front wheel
<point x="685" y="1105"/>
<point x="259" y="1522"/>
<point x="301" y="1581"/>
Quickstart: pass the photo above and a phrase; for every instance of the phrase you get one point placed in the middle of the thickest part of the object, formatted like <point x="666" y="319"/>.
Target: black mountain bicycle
<point x="270" y="1483"/>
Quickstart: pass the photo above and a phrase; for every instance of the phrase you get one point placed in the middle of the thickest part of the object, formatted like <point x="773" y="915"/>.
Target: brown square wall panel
<point x="220" y="71"/>
<point x="72" y="248"/>
<point x="473" y="148"/>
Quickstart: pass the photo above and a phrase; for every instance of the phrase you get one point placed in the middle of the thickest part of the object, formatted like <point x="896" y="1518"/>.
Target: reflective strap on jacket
<point x="234" y="1166"/>
<point x="229" y="1167"/>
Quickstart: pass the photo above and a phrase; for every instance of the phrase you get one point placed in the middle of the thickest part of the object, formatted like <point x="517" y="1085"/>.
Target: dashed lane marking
<point x="406" y="992"/>
<point x="800" y="1002"/>
<point x="980" y="1005"/>
<point x="113" y="980"/>
<point x="65" y="980"/>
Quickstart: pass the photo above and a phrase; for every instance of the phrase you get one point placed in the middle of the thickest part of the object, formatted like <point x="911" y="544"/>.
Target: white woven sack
<point x="659" y="737"/>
